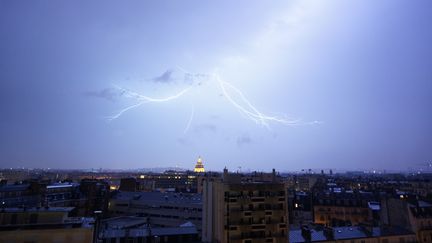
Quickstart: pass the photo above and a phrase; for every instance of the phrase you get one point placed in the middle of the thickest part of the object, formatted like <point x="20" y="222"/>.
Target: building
<point x="140" y="230"/>
<point x="299" y="208"/>
<point x="63" y="195"/>
<point x="420" y="216"/>
<point x="86" y="197"/>
<point x="236" y="211"/>
<point x="354" y="234"/>
<point x="199" y="167"/>
<point x="96" y="193"/>
<point x="176" y="181"/>
<point x="19" y="195"/>
<point x="163" y="209"/>
<point x="43" y="224"/>
<point x="343" y="208"/>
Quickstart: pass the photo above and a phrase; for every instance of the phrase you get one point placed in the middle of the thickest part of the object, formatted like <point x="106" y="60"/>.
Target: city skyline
<point x="286" y="85"/>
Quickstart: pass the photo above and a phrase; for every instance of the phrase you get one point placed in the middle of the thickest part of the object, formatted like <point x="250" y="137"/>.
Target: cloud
<point x="172" y="75"/>
<point x="165" y="77"/>
<point x="107" y="93"/>
<point x="244" y="140"/>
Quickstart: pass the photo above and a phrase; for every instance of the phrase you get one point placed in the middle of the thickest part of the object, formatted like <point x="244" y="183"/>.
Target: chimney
<point x="225" y="174"/>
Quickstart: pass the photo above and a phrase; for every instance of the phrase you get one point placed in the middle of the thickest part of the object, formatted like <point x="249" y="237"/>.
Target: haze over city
<point x="258" y="85"/>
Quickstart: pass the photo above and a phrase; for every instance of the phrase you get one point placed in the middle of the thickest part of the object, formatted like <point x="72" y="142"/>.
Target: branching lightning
<point x="250" y="111"/>
<point x="228" y="90"/>
<point x="115" y="116"/>
<point x="190" y="120"/>
<point x="147" y="99"/>
<point x="142" y="99"/>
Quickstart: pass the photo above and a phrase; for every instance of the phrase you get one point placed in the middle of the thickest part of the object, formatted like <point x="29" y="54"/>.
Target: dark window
<point x="258" y="226"/>
<point x="33" y="218"/>
<point x="14" y="218"/>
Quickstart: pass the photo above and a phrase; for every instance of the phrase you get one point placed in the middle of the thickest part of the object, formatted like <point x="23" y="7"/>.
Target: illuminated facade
<point x="199" y="167"/>
<point x="241" y="212"/>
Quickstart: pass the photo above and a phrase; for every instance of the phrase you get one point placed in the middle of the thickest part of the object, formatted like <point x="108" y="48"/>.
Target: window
<point x="233" y="228"/>
<point x="14" y="218"/>
<point x="33" y="218"/>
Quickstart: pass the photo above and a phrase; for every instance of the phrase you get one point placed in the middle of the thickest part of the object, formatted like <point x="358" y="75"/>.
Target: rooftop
<point x="345" y="233"/>
<point x="160" y="197"/>
<point x="137" y="227"/>
<point x="37" y="209"/>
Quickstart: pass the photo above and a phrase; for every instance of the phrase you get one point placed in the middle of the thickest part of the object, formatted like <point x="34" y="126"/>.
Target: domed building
<point x="199" y="167"/>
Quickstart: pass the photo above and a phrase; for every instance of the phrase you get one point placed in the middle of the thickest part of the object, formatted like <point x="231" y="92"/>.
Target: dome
<point x="199" y="167"/>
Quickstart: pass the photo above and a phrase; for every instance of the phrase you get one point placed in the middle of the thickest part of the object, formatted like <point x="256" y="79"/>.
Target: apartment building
<point x="246" y="212"/>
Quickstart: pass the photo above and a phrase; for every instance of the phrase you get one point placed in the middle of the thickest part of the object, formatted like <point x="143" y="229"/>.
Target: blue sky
<point x="355" y="78"/>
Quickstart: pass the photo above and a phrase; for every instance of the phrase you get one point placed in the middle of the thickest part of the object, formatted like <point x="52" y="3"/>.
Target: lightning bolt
<point x="248" y="110"/>
<point x="115" y="116"/>
<point x="190" y="120"/>
<point x="142" y="99"/>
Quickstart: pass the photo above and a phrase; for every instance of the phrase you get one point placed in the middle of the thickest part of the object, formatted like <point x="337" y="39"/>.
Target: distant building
<point x="137" y="184"/>
<point x="354" y="234"/>
<point x="140" y="230"/>
<point x="343" y="208"/>
<point x="236" y="211"/>
<point x="86" y="197"/>
<point x="420" y="216"/>
<point x="163" y="209"/>
<point x="96" y="193"/>
<point x="199" y="167"/>
<point x="43" y="225"/>
<point x="174" y="181"/>
<point x="63" y="195"/>
<point x="19" y="195"/>
<point x="299" y="208"/>
<point x="411" y="214"/>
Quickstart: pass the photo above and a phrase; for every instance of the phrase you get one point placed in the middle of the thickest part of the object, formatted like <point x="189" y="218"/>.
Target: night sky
<point x="289" y="85"/>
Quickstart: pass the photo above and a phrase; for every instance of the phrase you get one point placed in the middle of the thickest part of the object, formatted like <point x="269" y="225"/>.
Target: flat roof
<point x="161" y="198"/>
<point x="61" y="185"/>
<point x="144" y="232"/>
<point x="345" y="233"/>
<point x="37" y="209"/>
